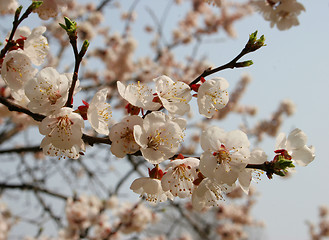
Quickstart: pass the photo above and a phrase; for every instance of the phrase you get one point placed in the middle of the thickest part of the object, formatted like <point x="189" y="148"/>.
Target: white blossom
<point x="63" y="130"/>
<point x="208" y="193"/>
<point x="174" y="96"/>
<point x="139" y="95"/>
<point x="122" y="136"/>
<point x="83" y="211"/>
<point x="5" y="221"/>
<point x="151" y="188"/>
<point x="283" y="14"/>
<point x="296" y="146"/>
<point x="17" y="69"/>
<point x="159" y="136"/>
<point x="212" y="96"/>
<point x="51" y="8"/>
<point x="180" y="176"/>
<point x="100" y="113"/>
<point x="135" y="218"/>
<point x="225" y="154"/>
<point x="8" y="6"/>
<point x="47" y="91"/>
<point x="257" y="156"/>
<point x="36" y="45"/>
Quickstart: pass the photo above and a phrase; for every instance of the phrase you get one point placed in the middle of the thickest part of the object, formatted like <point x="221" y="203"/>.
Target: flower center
<point x="53" y="96"/>
<point x="64" y="124"/>
<point x="180" y="170"/>
<point x="127" y="135"/>
<point x="155" y="140"/>
<point x="223" y="155"/>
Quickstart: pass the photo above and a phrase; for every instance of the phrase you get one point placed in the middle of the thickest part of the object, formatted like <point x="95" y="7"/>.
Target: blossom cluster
<point x="156" y="134"/>
<point x="282" y="13"/>
<point x="226" y="155"/>
<point x="154" y="126"/>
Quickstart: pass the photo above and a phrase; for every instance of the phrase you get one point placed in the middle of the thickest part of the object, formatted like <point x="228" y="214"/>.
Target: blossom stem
<point x="232" y="64"/>
<point x="252" y="45"/>
<point x="78" y="60"/>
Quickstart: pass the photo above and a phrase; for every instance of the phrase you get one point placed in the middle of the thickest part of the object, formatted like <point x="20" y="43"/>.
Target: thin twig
<point x="27" y="186"/>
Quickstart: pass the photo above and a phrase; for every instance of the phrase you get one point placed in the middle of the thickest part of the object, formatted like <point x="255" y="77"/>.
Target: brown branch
<point x="21" y="150"/>
<point x="38" y="117"/>
<point x="232" y="64"/>
<point x="4" y="136"/>
<point x="252" y="45"/>
<point x="102" y="5"/>
<point x="16" y="22"/>
<point x="26" y="186"/>
<point x="92" y="140"/>
<point x="78" y="59"/>
<point x="203" y="234"/>
<point x="17" y="108"/>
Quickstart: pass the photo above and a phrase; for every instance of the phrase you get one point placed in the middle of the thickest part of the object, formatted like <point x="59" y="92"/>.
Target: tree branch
<point x="31" y="187"/>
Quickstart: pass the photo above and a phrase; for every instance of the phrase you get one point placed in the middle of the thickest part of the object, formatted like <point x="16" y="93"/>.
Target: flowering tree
<point x="86" y="124"/>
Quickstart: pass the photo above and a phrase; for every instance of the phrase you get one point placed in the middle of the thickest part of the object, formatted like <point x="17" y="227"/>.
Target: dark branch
<point x="32" y="187"/>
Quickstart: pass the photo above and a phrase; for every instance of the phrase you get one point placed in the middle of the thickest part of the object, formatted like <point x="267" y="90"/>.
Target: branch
<point x="31" y="187"/>
<point x="194" y="225"/>
<point x="16" y="22"/>
<point x="17" y="108"/>
<point x="38" y="117"/>
<point x="102" y="5"/>
<point x="21" y="150"/>
<point x="130" y="11"/>
<point x="252" y="45"/>
<point x="71" y="29"/>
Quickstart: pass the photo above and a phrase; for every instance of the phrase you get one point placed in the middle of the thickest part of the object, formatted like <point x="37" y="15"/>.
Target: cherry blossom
<point x="36" y="45"/>
<point x="100" y="113"/>
<point x="122" y="136"/>
<point x="135" y="218"/>
<point x="283" y="14"/>
<point x="174" y="96"/>
<point x="139" y="95"/>
<point x="5" y="221"/>
<point x="212" y="96"/>
<point x="159" y="136"/>
<point x="296" y="146"/>
<point x="151" y="188"/>
<point x="287" y="14"/>
<point x="225" y="154"/>
<point x="180" y="176"/>
<point x="33" y="43"/>
<point x="257" y="156"/>
<point x="82" y="211"/>
<point x="8" y="6"/>
<point x="63" y="130"/>
<point x="51" y="8"/>
<point x="17" y="69"/>
<point x="208" y="193"/>
<point x="47" y="91"/>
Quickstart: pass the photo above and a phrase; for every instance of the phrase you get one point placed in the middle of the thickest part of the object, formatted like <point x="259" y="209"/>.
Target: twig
<point x="21" y="150"/>
<point x="16" y="22"/>
<point x="102" y="5"/>
<point x="26" y="186"/>
<point x="232" y="64"/>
